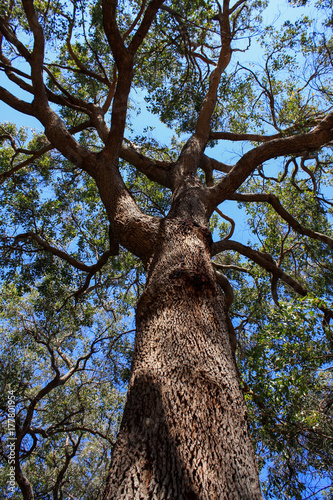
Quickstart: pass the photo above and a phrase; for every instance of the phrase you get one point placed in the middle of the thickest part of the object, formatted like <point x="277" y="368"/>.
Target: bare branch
<point x="82" y="68"/>
<point x="203" y="124"/>
<point x="191" y="154"/>
<point x="235" y="7"/>
<point x="208" y="165"/>
<point x="65" y="465"/>
<point x="232" y="267"/>
<point x="233" y="136"/>
<point x="264" y="260"/>
<point x="63" y="255"/>
<point x="226" y="287"/>
<point x="230" y="220"/>
<point x="124" y="58"/>
<point x="37" y="56"/>
<point x="148" y="18"/>
<point x="55" y="382"/>
<point x="16" y="103"/>
<point x="136" y="20"/>
<point x="275" y="203"/>
<point x="66" y="99"/>
<point x="112" y="32"/>
<point x="111" y="92"/>
<point x="55" y="128"/>
<point x="22" y="481"/>
<point x="156" y="171"/>
<point x="13" y="74"/>
<point x="274" y="281"/>
<point x="37" y="154"/>
<point x="54" y="430"/>
<point x="316" y="138"/>
<point x="11" y="37"/>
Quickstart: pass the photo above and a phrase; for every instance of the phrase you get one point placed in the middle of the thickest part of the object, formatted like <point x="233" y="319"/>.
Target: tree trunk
<point x="184" y="433"/>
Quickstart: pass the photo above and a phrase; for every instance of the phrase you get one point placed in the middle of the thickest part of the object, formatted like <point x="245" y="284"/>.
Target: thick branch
<point x="63" y="255"/>
<point x="128" y="225"/>
<point x="119" y="111"/>
<point x="11" y="37"/>
<point x="148" y="18"/>
<point x="22" y="481"/>
<point x="155" y="171"/>
<point x="37" y="154"/>
<point x="37" y="56"/>
<point x="191" y="154"/>
<point x="55" y="129"/>
<point x="112" y="32"/>
<point x="275" y="202"/>
<point x="15" y="103"/>
<point x="124" y="58"/>
<point x="203" y="124"/>
<point x="233" y="136"/>
<point x="264" y="260"/>
<point x="316" y="138"/>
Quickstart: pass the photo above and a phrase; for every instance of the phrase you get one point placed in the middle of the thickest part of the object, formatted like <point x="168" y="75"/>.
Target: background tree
<point x="95" y="221"/>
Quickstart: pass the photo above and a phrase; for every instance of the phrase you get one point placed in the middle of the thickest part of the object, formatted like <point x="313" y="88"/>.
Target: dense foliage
<point x="67" y="300"/>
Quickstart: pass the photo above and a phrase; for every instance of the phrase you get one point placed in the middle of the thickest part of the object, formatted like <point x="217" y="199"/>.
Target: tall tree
<point x="185" y="427"/>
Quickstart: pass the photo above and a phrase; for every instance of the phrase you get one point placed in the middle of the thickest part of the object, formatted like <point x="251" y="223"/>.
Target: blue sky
<point x="278" y="11"/>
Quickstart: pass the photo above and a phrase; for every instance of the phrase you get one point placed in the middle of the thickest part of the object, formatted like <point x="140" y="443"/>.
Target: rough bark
<point x="184" y="433"/>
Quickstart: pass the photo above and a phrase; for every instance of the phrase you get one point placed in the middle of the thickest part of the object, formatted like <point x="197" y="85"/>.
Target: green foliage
<point x="285" y="349"/>
<point x="73" y="425"/>
<point x="55" y="317"/>
<point x="175" y="73"/>
<point x="51" y="326"/>
<point x="286" y="363"/>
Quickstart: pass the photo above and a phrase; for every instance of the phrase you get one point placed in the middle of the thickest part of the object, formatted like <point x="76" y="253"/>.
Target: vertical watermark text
<point x="11" y="440"/>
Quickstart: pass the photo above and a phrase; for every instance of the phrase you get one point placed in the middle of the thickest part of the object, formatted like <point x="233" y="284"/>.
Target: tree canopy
<point x="248" y="96"/>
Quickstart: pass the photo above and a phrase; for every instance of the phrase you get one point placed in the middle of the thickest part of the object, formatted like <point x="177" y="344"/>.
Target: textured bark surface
<point x="185" y="432"/>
